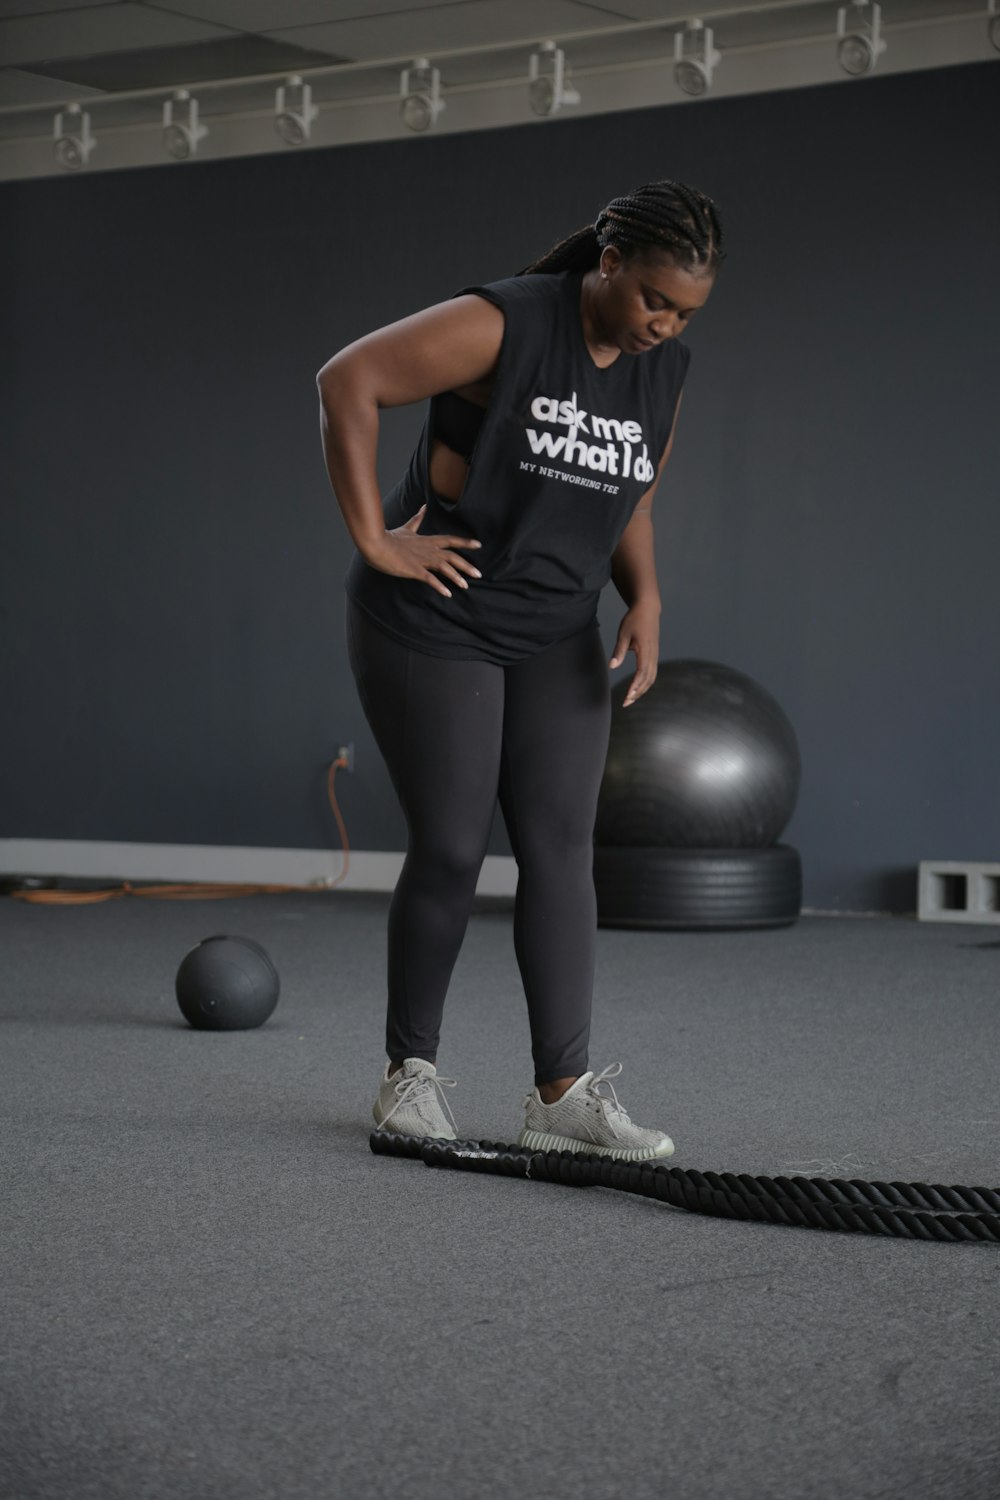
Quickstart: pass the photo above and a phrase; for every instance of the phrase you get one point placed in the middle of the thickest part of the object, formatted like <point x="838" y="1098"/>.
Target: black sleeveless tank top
<point x="564" y="453"/>
<point x="457" y="422"/>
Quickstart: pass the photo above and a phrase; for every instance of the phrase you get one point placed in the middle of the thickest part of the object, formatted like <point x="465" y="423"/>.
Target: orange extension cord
<point x="193" y="891"/>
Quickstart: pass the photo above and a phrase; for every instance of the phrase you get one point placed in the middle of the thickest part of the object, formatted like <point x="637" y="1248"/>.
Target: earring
<point x="604" y="275"/>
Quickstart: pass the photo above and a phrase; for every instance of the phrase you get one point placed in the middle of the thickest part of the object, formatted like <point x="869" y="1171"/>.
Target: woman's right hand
<point x="406" y="554"/>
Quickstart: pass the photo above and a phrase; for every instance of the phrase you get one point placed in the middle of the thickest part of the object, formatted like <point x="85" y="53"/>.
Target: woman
<point x="472" y="616"/>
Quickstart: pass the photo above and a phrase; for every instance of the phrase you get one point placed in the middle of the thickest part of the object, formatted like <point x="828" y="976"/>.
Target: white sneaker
<point x="586" y="1120"/>
<point x="409" y="1101"/>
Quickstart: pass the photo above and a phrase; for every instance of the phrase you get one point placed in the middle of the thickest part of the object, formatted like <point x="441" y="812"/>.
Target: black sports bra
<point x="457" y="422"/>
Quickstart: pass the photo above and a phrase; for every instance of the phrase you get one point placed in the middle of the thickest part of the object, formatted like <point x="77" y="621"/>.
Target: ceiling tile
<point x="439" y="27"/>
<point x="270" y="15"/>
<point x="97" y="29"/>
<point x="28" y="8"/>
<point x="227" y="57"/>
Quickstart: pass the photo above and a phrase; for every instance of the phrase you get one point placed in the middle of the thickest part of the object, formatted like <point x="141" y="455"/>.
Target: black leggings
<point x="456" y="735"/>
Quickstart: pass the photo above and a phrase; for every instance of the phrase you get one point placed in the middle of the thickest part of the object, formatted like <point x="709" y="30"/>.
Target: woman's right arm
<point x="454" y="343"/>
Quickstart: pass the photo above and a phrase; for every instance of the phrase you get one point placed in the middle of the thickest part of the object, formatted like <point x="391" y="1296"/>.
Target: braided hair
<point x="669" y="217"/>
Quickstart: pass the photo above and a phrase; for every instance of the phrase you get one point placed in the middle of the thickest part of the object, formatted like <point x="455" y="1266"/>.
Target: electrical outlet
<point x="346" y="754"/>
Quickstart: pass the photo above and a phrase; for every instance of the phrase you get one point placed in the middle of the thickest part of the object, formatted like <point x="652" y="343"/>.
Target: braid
<point x="578" y="252"/>
<point x="670" y="217"/>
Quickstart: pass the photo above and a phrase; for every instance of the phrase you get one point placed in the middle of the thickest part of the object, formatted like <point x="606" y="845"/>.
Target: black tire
<point x="697" y="888"/>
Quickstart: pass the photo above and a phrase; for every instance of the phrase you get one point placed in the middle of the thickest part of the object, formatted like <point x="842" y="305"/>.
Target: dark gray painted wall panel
<point x="173" y="664"/>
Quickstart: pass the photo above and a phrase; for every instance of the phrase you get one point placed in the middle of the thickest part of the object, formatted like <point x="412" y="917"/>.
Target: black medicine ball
<point x="227" y="984"/>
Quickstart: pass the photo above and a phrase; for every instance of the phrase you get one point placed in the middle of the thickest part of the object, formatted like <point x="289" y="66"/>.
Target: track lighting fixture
<point x="293" y="120"/>
<point x="72" y="137"/>
<point x="181" y="138"/>
<point x="858" y="50"/>
<point x="548" y="90"/>
<point x="420" y="92"/>
<point x="859" y="42"/>
<point x="694" y="58"/>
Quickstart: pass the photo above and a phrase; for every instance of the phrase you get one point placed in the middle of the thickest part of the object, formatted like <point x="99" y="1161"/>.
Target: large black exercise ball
<point x="227" y="984"/>
<point x="688" y="889"/>
<point x="706" y="759"/>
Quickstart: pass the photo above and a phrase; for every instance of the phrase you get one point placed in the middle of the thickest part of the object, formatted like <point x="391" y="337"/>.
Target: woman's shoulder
<point x="536" y="287"/>
<point x="672" y="358"/>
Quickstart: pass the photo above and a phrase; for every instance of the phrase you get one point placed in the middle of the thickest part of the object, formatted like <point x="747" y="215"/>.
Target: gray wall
<point x="173" y="665"/>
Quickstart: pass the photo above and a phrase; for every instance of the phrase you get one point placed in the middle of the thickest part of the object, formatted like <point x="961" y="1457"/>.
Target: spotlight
<point x="693" y="73"/>
<point x="547" y="89"/>
<point x="72" y="147"/>
<point x="294" y="123"/>
<point x="993" y="27"/>
<point x="181" y="140"/>
<point x="420" y="92"/>
<point x="858" y="51"/>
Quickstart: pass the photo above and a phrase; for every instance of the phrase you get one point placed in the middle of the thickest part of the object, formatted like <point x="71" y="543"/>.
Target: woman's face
<point x="647" y="299"/>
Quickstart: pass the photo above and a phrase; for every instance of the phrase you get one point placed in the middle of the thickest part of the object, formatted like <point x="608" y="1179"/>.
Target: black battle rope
<point x="907" y="1210"/>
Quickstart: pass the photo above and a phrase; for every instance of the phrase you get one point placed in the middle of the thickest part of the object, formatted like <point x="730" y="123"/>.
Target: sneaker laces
<point x="417" y="1088"/>
<point x="605" y="1102"/>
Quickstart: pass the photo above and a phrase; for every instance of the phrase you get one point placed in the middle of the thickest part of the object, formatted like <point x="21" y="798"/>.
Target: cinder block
<point x="954" y="890"/>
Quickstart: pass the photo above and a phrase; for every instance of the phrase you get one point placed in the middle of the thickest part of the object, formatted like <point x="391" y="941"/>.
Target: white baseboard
<point x="369" y="870"/>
